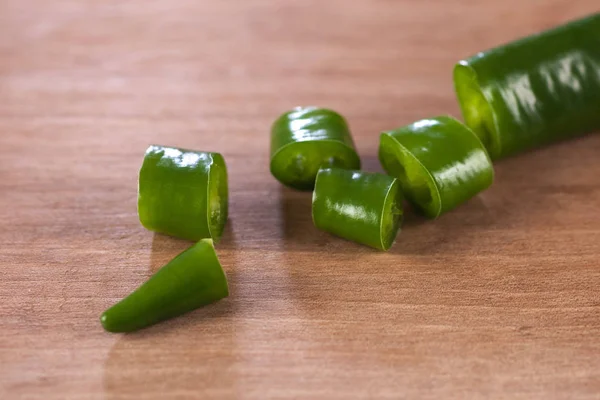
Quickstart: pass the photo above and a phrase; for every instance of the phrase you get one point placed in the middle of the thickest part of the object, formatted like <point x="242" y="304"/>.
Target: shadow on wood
<point x="189" y="350"/>
<point x="370" y="163"/>
<point x="535" y="189"/>
<point x="164" y="249"/>
<point x="299" y="231"/>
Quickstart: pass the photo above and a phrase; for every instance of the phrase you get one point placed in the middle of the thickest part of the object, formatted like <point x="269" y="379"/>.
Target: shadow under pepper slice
<point x="306" y="139"/>
<point x="192" y="279"/>
<point x="359" y="206"/>
<point x="534" y="91"/>
<point x="439" y="162"/>
<point x="183" y="193"/>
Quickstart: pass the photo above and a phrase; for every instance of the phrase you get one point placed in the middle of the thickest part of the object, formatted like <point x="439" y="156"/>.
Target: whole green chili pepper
<point x="306" y="139"/>
<point x="192" y="279"/>
<point x="183" y="193"/>
<point x="439" y="162"/>
<point x="359" y="206"/>
<point x="534" y="91"/>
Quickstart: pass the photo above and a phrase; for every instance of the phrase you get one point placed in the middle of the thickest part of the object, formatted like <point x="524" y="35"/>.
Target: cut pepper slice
<point x="304" y="140"/>
<point x="183" y="193"/>
<point x="359" y="206"/>
<point x="439" y="162"/>
<point x="192" y="279"/>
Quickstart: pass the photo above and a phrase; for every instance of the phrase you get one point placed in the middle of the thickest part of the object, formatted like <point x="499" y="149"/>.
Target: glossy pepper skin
<point x="359" y="206"/>
<point x="192" y="279"/>
<point x="306" y="139"/>
<point x="183" y="193"/>
<point x="439" y="162"/>
<point x="534" y="91"/>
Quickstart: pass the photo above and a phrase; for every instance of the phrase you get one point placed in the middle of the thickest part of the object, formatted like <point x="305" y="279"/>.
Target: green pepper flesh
<point x="359" y="206"/>
<point x="192" y="279"/>
<point x="439" y="162"/>
<point x="306" y="139"/>
<point x="183" y="193"/>
<point x="534" y="91"/>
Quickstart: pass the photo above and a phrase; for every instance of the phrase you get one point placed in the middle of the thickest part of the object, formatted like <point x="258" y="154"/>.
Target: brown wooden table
<point x="498" y="299"/>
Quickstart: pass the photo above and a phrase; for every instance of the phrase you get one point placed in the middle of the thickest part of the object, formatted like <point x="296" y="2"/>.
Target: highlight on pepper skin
<point x="534" y="91"/>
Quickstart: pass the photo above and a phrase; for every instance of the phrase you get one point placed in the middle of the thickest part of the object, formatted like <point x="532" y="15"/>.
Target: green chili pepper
<point x="439" y="162"/>
<point x="534" y="91"/>
<point x="192" y="279"/>
<point x="359" y="206"/>
<point x="183" y="193"/>
<point x="306" y="139"/>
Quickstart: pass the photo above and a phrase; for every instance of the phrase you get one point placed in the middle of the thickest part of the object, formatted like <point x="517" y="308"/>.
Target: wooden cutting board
<point x="497" y="299"/>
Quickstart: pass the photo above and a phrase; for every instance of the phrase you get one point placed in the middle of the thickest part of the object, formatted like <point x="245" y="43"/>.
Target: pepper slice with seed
<point x="305" y="139"/>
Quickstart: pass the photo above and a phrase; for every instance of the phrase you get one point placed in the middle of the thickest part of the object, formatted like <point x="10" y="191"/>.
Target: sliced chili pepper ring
<point x="306" y="139"/>
<point x="183" y="193"/>
<point x="359" y="206"/>
<point x="439" y="162"/>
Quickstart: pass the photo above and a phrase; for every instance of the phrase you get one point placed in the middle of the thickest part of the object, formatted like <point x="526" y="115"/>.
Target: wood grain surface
<point x="498" y="299"/>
